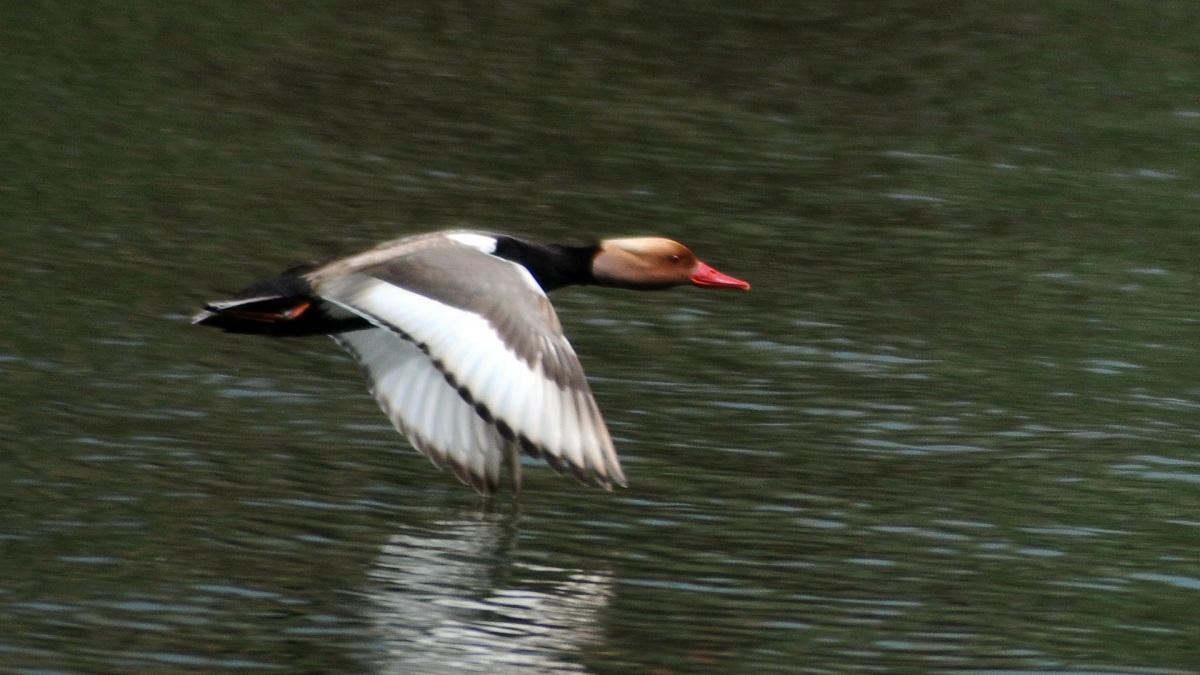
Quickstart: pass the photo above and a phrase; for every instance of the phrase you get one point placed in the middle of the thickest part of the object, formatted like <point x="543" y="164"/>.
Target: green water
<point x="952" y="428"/>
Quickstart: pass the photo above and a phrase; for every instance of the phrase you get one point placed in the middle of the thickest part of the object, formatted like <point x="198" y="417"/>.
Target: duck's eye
<point x="674" y="257"/>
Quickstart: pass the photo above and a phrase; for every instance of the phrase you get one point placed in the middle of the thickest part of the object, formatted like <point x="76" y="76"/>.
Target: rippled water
<point x="952" y="428"/>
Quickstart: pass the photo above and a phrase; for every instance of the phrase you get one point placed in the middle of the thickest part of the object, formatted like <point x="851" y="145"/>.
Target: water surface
<point x="951" y="429"/>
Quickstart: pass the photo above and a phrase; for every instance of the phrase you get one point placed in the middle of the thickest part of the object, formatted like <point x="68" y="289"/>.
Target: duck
<point x="460" y="345"/>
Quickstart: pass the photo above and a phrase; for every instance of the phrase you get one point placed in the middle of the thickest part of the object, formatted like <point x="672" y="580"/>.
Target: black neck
<point x="552" y="265"/>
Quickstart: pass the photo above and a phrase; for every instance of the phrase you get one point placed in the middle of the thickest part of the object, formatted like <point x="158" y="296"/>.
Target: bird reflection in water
<point x="450" y="598"/>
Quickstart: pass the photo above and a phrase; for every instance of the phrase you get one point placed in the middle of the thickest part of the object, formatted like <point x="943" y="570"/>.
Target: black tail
<point x="282" y="307"/>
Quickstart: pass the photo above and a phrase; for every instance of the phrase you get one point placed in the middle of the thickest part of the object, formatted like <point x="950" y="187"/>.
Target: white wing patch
<point x="507" y="398"/>
<point x="425" y="408"/>
<point x="483" y="242"/>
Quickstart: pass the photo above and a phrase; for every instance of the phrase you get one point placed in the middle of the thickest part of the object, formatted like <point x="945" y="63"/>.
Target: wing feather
<point x="468" y="389"/>
<point x="425" y="408"/>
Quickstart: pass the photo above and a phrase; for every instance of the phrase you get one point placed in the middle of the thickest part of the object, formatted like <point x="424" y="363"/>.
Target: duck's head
<point x="652" y="263"/>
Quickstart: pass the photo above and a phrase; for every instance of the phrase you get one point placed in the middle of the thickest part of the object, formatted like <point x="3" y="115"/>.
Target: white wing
<point x="427" y="410"/>
<point x="482" y="391"/>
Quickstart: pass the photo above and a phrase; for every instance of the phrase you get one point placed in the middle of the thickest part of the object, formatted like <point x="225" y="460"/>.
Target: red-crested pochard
<point x="460" y="345"/>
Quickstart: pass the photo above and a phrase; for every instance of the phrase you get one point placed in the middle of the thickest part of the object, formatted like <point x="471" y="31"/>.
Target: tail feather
<point x="283" y="307"/>
<point x="264" y="315"/>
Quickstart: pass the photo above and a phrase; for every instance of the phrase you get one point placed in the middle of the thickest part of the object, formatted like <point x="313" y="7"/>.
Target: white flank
<point x="564" y="423"/>
<point x="482" y="242"/>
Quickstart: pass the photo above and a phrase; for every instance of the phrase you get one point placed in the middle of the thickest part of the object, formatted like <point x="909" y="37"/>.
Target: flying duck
<point x="460" y="345"/>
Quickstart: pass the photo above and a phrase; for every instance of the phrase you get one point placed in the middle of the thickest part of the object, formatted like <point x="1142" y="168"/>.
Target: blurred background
<point x="952" y="428"/>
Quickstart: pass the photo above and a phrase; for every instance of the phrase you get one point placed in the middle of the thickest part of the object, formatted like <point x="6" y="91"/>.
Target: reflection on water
<point x="448" y="599"/>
